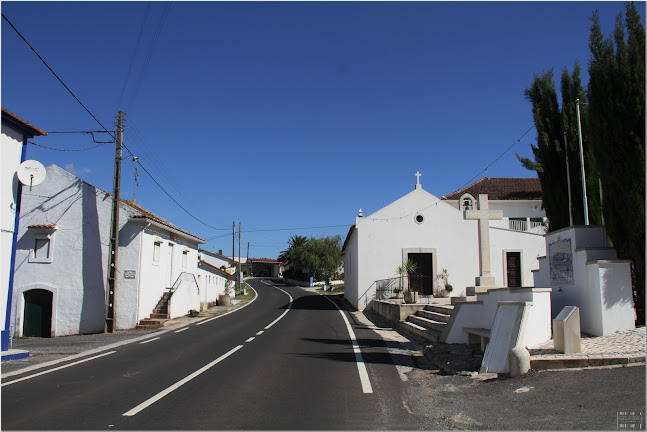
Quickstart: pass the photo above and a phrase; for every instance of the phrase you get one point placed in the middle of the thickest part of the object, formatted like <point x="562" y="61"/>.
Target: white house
<point x="61" y="260"/>
<point x="212" y="280"/>
<point x="434" y="233"/>
<point x="15" y="132"/>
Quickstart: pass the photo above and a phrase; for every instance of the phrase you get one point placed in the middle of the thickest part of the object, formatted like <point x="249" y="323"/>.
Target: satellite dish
<point x="31" y="173"/>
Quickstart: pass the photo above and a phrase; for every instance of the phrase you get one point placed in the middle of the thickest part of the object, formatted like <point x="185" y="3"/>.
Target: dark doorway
<point x="513" y="265"/>
<point x="422" y="280"/>
<point x="38" y="313"/>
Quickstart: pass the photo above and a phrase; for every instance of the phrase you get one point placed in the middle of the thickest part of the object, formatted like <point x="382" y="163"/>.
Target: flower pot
<point x="410" y="297"/>
<point x="224" y="300"/>
<point x="446" y="293"/>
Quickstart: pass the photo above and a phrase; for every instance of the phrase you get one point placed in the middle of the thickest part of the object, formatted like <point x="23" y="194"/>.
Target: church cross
<point x="484" y="215"/>
<point x="417" y="174"/>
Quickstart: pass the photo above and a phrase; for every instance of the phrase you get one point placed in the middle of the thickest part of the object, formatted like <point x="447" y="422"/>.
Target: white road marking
<point x="149" y="340"/>
<point x="181" y="330"/>
<point x="283" y="314"/>
<point x="250" y="339"/>
<point x="55" y="369"/>
<point x="260" y="332"/>
<point x="361" y="366"/>
<point x="179" y="384"/>
<point x="232" y="311"/>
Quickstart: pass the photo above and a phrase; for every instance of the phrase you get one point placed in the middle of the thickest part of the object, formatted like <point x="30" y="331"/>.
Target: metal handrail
<point x="184" y="277"/>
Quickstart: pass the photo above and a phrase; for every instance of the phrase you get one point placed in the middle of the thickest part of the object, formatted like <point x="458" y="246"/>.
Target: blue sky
<point x="284" y="115"/>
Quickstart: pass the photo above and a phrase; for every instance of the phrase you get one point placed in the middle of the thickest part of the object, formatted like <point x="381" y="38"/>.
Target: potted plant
<point x="447" y="287"/>
<point x="407" y="269"/>
<point x="225" y="299"/>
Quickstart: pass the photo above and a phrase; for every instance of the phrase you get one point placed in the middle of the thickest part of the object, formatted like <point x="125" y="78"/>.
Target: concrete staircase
<point x="159" y="315"/>
<point x="428" y="324"/>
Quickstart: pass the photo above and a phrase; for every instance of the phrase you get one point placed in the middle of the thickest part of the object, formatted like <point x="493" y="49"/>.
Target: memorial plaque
<point x="560" y="256"/>
<point x="130" y="274"/>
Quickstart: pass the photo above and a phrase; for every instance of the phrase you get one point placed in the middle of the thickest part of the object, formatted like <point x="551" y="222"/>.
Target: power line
<point x="69" y="150"/>
<point x="500" y="156"/>
<point x="54" y="73"/>
<point x="149" y="55"/>
<point x="132" y="58"/>
<point x="175" y="201"/>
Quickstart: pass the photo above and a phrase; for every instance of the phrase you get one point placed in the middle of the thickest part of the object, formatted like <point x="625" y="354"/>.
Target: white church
<point x="438" y="234"/>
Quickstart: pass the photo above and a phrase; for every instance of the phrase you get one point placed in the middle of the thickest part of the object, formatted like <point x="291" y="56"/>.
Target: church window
<point x="419" y="218"/>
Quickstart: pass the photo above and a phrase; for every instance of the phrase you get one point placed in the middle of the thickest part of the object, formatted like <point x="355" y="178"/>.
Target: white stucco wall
<point x="377" y="245"/>
<point x="601" y="286"/>
<point x="10" y="157"/>
<point x="211" y="285"/>
<point x="79" y="247"/>
<point x="160" y="276"/>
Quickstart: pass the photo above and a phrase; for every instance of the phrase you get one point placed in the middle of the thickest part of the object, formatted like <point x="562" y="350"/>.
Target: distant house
<point x="211" y="280"/>
<point x="433" y="233"/>
<point x="264" y="267"/>
<point x="61" y="261"/>
<point x="15" y="132"/>
<point x="218" y="260"/>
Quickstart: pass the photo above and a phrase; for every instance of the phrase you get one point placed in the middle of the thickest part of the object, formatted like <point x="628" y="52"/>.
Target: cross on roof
<point x="418" y="179"/>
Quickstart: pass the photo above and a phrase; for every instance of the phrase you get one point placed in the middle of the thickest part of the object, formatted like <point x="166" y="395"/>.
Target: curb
<point x="569" y="362"/>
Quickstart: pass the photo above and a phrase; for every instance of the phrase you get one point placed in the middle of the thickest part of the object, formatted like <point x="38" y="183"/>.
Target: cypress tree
<point x="617" y="122"/>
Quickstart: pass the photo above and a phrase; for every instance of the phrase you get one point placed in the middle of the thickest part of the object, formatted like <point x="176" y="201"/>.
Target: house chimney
<point x="219" y="251"/>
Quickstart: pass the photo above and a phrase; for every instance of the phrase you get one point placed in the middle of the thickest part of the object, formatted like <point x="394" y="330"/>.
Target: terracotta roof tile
<point x="502" y="188"/>
<point x="268" y="260"/>
<point x="27" y="125"/>
<point x="48" y="226"/>
<point x="152" y="216"/>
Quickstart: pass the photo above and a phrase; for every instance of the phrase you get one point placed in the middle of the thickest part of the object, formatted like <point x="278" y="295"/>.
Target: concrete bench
<point x="478" y="336"/>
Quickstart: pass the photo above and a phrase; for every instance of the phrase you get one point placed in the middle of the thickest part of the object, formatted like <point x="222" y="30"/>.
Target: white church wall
<point x="531" y="246"/>
<point x="381" y="242"/>
<point x="351" y="270"/>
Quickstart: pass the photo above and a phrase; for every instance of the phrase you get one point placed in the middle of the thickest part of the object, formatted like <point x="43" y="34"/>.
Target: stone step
<point x="441" y="309"/>
<point x="420" y="333"/>
<point x="159" y="316"/>
<point x="148" y="323"/>
<point x="434" y="316"/>
<point x="427" y="323"/>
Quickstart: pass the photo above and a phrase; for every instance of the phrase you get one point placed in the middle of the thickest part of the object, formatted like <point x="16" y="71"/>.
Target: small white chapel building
<point x="62" y="258"/>
<point x="434" y="233"/>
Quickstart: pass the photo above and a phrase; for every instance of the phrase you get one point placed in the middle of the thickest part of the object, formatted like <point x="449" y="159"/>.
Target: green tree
<point x="320" y="257"/>
<point x="295" y="242"/>
<point x="617" y="122"/>
<point x="554" y="123"/>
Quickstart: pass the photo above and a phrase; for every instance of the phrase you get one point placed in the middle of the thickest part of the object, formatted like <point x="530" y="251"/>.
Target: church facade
<point x="434" y="233"/>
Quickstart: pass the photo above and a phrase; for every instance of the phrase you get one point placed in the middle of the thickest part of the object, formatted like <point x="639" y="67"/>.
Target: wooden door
<point x="38" y="313"/>
<point x="513" y="265"/>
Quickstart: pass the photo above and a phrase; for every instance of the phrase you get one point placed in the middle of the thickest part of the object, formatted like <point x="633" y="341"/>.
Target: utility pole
<point x="233" y="243"/>
<point x="568" y="182"/>
<point x="249" y="270"/>
<point x="579" y="134"/>
<point x="113" y="251"/>
<point x="240" y="271"/>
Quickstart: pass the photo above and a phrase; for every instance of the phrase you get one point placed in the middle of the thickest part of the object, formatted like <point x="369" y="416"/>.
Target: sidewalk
<point x="49" y="351"/>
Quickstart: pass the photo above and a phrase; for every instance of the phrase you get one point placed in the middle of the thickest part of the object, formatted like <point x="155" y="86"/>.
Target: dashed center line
<point x="149" y="340"/>
<point x="250" y="339"/>
<point x="260" y="332"/>
<point x="181" y="330"/>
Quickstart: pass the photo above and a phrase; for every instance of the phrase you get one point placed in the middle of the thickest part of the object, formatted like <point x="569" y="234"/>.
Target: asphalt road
<point x="285" y="361"/>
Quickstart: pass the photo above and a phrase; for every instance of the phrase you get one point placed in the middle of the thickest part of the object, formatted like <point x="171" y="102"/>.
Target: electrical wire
<point x="149" y="55"/>
<point x="176" y="202"/>
<point x="54" y="73"/>
<point x="69" y="150"/>
<point x="132" y="58"/>
<point x="500" y="156"/>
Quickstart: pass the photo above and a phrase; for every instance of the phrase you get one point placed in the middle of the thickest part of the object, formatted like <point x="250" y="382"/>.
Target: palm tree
<point x="295" y="242"/>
